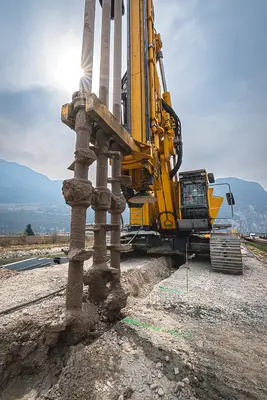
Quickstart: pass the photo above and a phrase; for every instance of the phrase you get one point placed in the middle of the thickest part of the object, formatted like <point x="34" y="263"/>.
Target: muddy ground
<point x="32" y="355"/>
<point x="191" y="335"/>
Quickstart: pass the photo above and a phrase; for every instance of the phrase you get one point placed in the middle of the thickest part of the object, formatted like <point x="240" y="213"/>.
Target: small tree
<point x="28" y="230"/>
<point x="54" y="237"/>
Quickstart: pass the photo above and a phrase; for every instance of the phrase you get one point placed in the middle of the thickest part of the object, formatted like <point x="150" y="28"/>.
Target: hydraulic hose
<point x="178" y="138"/>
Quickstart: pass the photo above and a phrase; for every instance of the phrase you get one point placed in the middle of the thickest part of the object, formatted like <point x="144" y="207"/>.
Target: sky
<point x="215" y="57"/>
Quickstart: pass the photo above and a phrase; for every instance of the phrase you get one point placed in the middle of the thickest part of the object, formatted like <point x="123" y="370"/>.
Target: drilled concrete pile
<point x="207" y="343"/>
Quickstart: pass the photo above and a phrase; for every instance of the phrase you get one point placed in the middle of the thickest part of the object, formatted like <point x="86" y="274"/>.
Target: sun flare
<point x="68" y="71"/>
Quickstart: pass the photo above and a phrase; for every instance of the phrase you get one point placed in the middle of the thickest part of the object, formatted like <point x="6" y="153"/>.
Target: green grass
<point x="258" y="248"/>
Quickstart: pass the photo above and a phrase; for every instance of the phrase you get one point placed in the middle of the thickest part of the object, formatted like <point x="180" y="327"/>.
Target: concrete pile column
<point x="118" y="205"/>
<point x="100" y="276"/>
<point x="87" y="57"/>
<point x="78" y="190"/>
<point x="117" y="59"/>
<point x="103" y="281"/>
<point x="105" y="53"/>
<point x="116" y="161"/>
<point x="118" y="202"/>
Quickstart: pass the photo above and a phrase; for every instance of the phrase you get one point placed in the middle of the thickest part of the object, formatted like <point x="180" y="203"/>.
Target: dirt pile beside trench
<point x="32" y="354"/>
<point x="207" y="343"/>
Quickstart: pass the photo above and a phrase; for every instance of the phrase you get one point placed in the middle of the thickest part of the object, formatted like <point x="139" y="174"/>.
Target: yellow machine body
<point x="152" y="127"/>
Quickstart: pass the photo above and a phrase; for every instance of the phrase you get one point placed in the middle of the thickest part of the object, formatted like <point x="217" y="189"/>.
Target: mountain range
<point x="250" y="210"/>
<point x="27" y="196"/>
<point x="22" y="185"/>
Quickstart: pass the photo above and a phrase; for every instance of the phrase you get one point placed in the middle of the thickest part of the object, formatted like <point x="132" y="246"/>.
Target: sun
<point x="67" y="70"/>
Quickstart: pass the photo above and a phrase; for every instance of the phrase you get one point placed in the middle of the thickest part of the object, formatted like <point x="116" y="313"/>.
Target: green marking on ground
<point x="172" y="332"/>
<point x="171" y="290"/>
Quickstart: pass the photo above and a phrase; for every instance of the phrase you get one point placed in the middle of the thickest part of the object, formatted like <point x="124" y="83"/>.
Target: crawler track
<point x="225" y="254"/>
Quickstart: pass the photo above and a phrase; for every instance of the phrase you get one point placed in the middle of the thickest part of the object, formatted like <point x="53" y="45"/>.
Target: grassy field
<point x="22" y="240"/>
<point x="33" y="242"/>
<point x="257" y="248"/>
<point x="27" y="247"/>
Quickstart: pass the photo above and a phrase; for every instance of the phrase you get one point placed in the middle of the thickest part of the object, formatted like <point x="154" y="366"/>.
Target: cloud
<point x="37" y="35"/>
<point x="31" y="131"/>
<point x="215" y="56"/>
<point x="215" y="61"/>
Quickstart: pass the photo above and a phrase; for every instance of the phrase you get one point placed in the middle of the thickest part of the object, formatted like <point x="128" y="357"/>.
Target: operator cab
<point x="194" y="200"/>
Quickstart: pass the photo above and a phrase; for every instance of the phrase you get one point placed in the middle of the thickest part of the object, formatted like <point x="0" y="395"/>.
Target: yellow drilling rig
<point x="172" y="213"/>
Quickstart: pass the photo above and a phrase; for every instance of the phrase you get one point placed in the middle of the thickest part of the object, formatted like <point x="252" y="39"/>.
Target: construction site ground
<point x="186" y="334"/>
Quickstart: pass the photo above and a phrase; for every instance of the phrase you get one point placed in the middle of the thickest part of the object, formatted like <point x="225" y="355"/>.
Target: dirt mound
<point x="33" y="353"/>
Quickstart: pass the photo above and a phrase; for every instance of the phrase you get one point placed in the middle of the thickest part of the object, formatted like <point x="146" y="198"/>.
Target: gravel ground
<point x="207" y="343"/>
<point x="6" y="273"/>
<point x="138" y="277"/>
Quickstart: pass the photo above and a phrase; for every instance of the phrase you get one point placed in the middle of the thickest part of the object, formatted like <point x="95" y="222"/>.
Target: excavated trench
<point x="179" y="345"/>
<point x="33" y="351"/>
<point x="207" y="342"/>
